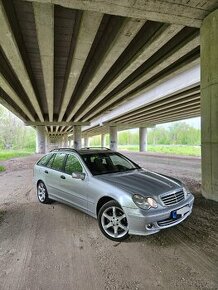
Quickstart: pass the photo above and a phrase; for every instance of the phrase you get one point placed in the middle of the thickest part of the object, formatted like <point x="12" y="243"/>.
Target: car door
<point x="54" y="175"/>
<point x="75" y="189"/>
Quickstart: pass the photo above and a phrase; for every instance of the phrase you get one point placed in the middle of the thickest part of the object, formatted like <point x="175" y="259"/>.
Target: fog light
<point x="149" y="226"/>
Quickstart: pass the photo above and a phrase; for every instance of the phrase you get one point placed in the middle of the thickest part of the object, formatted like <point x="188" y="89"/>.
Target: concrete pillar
<point x="77" y="137"/>
<point x="40" y="140"/>
<point x="142" y="139"/>
<point x="102" y="140"/>
<point x="209" y="105"/>
<point x="113" y="138"/>
<point x="86" y="141"/>
<point x="65" y="141"/>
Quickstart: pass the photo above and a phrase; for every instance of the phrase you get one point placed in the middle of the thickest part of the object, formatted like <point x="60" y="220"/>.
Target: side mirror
<point x="79" y="175"/>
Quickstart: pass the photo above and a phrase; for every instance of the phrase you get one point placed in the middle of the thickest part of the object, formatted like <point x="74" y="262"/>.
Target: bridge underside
<point x="91" y="67"/>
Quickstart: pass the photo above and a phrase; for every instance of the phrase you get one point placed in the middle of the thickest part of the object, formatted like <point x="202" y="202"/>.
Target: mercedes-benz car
<point x="125" y="198"/>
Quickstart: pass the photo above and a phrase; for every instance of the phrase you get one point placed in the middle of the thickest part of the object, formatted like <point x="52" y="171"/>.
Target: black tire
<point x="42" y="193"/>
<point x="109" y="223"/>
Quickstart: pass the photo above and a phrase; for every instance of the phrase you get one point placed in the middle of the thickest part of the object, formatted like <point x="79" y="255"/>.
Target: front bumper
<point x="147" y="222"/>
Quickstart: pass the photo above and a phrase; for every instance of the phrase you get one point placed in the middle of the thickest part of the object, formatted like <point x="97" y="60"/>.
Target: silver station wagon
<point x="125" y="198"/>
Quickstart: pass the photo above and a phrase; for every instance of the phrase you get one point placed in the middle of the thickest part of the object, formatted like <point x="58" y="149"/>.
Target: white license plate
<point x="183" y="210"/>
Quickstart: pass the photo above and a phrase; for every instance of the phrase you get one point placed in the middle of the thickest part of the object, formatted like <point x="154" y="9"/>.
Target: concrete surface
<point x="209" y="105"/>
<point x="57" y="247"/>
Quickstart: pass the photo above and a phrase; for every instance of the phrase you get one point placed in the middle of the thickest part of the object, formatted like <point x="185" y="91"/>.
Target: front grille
<point x="167" y="222"/>
<point x="173" y="198"/>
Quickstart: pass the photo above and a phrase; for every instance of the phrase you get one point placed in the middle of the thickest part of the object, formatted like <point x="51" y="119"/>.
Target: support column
<point x="40" y="140"/>
<point x="113" y="138"/>
<point x="86" y="141"/>
<point x="142" y="139"/>
<point x="102" y="140"/>
<point x="77" y="137"/>
<point x="209" y="105"/>
<point x="65" y="141"/>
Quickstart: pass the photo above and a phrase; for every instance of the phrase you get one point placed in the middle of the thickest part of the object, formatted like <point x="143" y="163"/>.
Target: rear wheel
<point x="42" y="193"/>
<point x="113" y="221"/>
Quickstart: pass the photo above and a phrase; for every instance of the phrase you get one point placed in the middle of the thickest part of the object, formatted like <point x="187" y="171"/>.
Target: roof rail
<point x="98" y="148"/>
<point x="63" y="149"/>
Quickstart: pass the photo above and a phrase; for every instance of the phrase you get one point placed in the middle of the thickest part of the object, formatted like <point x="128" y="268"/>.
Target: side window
<point x="73" y="165"/>
<point x="49" y="164"/>
<point x="58" y="162"/>
<point x="44" y="160"/>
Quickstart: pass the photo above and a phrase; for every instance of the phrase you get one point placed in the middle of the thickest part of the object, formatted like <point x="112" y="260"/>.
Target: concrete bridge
<point x="75" y="69"/>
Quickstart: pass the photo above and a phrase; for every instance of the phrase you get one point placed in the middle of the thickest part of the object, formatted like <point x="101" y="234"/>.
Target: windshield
<point x="108" y="162"/>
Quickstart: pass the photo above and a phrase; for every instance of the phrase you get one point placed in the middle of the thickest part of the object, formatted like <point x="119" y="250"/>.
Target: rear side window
<point x="44" y="160"/>
<point x="73" y="165"/>
<point x="58" y="162"/>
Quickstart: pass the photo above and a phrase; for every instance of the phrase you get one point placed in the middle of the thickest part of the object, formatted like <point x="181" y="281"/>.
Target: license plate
<point x="183" y="210"/>
<point x="180" y="212"/>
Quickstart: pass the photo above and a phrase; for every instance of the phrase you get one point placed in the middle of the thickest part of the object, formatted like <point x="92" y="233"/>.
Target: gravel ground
<point x="57" y="247"/>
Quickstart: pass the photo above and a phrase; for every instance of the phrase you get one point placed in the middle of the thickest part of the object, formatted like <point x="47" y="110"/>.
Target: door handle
<point x="46" y="171"/>
<point x="63" y="177"/>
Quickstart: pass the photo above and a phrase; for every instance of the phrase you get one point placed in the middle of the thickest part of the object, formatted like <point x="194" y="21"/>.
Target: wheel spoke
<point x="107" y="216"/>
<point x="110" y="224"/>
<point x="121" y="217"/>
<point x="115" y="231"/>
<point x="122" y="227"/>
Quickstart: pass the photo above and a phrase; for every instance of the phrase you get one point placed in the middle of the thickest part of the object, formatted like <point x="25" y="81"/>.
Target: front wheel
<point x="113" y="221"/>
<point x="42" y="193"/>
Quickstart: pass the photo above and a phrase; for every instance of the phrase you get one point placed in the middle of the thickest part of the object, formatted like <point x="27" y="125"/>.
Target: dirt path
<point x="57" y="247"/>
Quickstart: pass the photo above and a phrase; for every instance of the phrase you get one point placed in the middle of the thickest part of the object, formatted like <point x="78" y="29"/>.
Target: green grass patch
<point x="2" y="168"/>
<point x="186" y="150"/>
<point x="8" y="154"/>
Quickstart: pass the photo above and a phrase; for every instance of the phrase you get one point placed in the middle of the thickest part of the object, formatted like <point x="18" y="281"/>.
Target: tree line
<point x="15" y="135"/>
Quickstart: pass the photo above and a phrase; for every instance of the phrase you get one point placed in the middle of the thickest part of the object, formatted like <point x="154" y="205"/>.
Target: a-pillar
<point x="40" y="140"/>
<point x="77" y="137"/>
<point x="113" y="138"/>
<point x="142" y="139"/>
<point x="86" y="141"/>
<point x="209" y="105"/>
<point x="102" y="140"/>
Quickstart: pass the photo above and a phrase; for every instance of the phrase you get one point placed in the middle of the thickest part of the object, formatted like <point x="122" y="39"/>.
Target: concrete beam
<point x="209" y="105"/>
<point x="44" y="19"/>
<point x="57" y="123"/>
<point x="10" y="108"/>
<point x="11" y="92"/>
<point x="11" y="50"/>
<point x="182" y="80"/>
<point x="88" y="28"/>
<point x="179" y="98"/>
<point x="164" y="108"/>
<point x="184" y="47"/>
<point x="125" y="35"/>
<point x="161" y="37"/>
<point x="163" y="11"/>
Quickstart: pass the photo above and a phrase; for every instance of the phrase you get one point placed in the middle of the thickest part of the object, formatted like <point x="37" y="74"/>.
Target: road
<point x="57" y="247"/>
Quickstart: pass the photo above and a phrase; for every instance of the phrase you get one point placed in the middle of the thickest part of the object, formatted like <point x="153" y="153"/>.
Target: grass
<point x="8" y="154"/>
<point x="2" y="168"/>
<point x="186" y="150"/>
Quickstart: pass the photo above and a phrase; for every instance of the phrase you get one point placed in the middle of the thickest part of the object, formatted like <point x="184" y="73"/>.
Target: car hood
<point x="143" y="182"/>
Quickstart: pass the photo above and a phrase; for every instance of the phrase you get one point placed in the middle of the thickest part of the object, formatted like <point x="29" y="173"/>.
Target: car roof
<point x="82" y="151"/>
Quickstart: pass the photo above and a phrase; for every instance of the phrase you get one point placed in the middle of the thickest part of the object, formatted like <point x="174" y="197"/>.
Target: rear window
<point x="44" y="160"/>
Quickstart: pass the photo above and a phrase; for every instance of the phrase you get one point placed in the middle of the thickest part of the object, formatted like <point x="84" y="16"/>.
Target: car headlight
<point x="144" y="202"/>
